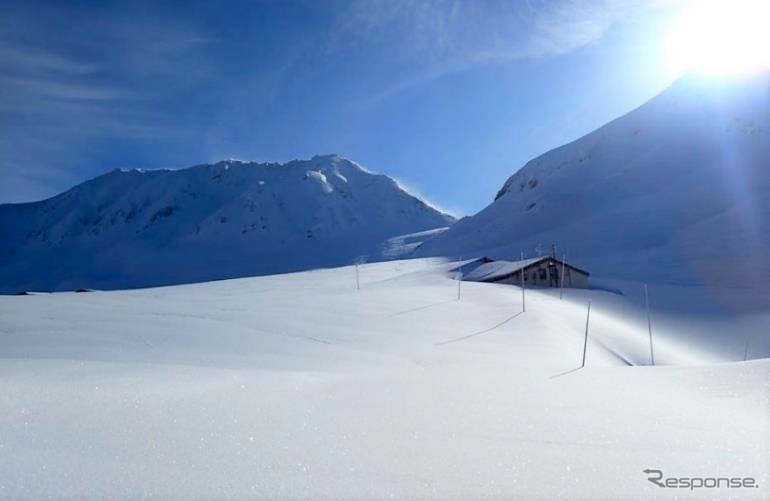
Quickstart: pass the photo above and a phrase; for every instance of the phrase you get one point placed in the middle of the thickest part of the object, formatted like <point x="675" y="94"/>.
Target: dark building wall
<point x="547" y="274"/>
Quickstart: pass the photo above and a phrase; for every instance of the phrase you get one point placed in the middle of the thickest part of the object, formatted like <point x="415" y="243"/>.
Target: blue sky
<point x="449" y="97"/>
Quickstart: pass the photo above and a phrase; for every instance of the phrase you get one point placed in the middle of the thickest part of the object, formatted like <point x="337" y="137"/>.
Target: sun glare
<point x="721" y="37"/>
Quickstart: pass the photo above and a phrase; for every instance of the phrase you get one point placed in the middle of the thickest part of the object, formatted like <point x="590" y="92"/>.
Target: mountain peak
<point x="659" y="194"/>
<point x="227" y="219"/>
<point x="719" y="106"/>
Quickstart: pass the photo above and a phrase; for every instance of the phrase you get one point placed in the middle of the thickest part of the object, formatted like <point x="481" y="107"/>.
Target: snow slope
<point x="301" y="386"/>
<point x="139" y="228"/>
<point x="402" y="246"/>
<point x="675" y="192"/>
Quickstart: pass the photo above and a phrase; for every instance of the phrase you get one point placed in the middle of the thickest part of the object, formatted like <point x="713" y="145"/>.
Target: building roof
<point x="487" y="270"/>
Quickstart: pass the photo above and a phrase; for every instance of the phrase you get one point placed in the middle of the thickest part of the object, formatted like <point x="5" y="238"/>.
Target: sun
<point x="720" y="37"/>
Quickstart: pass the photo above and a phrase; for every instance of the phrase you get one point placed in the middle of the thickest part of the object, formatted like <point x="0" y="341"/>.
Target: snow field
<point x="300" y="386"/>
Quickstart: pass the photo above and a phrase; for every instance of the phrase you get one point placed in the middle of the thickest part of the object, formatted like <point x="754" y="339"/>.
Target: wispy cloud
<point x="62" y="96"/>
<point x="41" y="88"/>
<point x="29" y="59"/>
<point x="452" y="36"/>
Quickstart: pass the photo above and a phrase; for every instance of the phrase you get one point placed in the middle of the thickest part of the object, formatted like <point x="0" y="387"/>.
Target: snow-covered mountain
<point x="676" y="191"/>
<point x="132" y="228"/>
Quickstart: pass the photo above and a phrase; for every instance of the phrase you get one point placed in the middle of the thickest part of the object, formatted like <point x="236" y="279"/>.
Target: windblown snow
<point x="300" y="386"/>
<point x="675" y="192"/>
<point x="140" y="228"/>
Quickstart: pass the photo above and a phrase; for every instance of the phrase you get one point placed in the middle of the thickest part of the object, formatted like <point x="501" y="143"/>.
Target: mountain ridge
<point x="660" y="194"/>
<point x="226" y="219"/>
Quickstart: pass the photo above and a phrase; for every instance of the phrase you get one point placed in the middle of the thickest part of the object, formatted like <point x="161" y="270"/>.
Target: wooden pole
<point x="358" y="283"/>
<point x="649" y="322"/>
<point x="561" y="288"/>
<point x="585" y="341"/>
<point x="521" y="273"/>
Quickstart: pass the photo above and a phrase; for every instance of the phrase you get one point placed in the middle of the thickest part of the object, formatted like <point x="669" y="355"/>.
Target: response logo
<point x="692" y="483"/>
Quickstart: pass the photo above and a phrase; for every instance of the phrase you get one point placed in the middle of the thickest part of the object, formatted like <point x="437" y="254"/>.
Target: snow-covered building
<point x="544" y="271"/>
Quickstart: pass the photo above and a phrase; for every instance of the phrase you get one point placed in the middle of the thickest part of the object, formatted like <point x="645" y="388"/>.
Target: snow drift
<point x="300" y="386"/>
<point x="141" y="228"/>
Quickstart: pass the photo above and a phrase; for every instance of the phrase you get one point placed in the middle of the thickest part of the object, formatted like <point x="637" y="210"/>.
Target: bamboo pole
<point x="649" y="322"/>
<point x="585" y="341"/>
<point x="459" y="281"/>
<point x="523" y="295"/>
